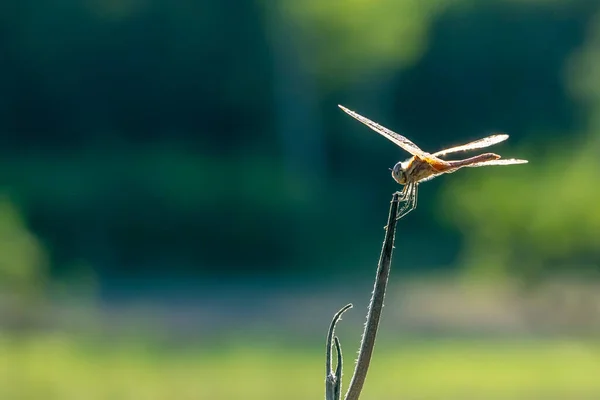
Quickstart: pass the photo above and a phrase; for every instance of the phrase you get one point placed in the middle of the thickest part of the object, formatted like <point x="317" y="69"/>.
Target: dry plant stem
<point x="338" y="370"/>
<point x="375" y="306"/>
<point x="333" y="381"/>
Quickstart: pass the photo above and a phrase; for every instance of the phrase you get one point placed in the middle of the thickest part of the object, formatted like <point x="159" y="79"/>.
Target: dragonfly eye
<point x="398" y="174"/>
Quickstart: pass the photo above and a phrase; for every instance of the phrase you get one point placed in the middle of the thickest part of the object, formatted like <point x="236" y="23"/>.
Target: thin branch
<point x="333" y="381"/>
<point x="375" y="306"/>
<point x="338" y="369"/>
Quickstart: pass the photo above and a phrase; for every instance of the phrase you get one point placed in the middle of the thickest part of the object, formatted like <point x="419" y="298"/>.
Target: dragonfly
<point x="423" y="166"/>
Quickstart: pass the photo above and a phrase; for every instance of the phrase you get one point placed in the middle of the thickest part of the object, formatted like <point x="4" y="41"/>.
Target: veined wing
<point x="478" y="144"/>
<point x="392" y="136"/>
<point x="507" y="161"/>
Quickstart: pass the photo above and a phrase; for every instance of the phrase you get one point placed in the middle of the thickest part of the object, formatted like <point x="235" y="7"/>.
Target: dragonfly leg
<point x="405" y="197"/>
<point x="404" y="194"/>
<point x="409" y="197"/>
<point x="411" y="202"/>
<point x="401" y="195"/>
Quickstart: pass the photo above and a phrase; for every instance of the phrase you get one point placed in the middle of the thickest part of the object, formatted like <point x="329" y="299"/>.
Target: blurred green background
<point x="183" y="207"/>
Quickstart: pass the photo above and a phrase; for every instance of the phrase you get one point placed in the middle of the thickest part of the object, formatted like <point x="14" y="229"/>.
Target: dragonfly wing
<point x="478" y="144"/>
<point x="507" y="161"/>
<point x="392" y="136"/>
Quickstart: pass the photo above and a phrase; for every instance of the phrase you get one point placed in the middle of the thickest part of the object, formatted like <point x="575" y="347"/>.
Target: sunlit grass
<point x="59" y="368"/>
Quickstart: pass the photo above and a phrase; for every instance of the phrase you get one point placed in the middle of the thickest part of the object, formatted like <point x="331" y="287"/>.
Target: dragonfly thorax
<point x="399" y="174"/>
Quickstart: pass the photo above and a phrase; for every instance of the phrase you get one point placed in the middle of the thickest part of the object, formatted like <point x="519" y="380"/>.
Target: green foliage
<point x="146" y="137"/>
<point x="23" y="260"/>
<point x="543" y="218"/>
<point x="350" y="38"/>
<point x="521" y="223"/>
<point x="55" y="367"/>
<point x="583" y="76"/>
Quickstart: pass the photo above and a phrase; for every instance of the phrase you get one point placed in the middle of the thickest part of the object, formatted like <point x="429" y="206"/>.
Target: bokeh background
<point x="183" y="207"/>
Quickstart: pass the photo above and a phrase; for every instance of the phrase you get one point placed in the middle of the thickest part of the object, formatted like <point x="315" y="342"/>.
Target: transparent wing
<point x="508" y="161"/>
<point x="392" y="136"/>
<point x="478" y="144"/>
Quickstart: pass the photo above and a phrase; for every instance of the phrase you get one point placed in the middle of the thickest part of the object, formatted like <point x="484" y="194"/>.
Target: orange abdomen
<point x="473" y="160"/>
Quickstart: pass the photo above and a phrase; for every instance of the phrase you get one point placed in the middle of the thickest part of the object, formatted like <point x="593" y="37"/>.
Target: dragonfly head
<point x="398" y="173"/>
